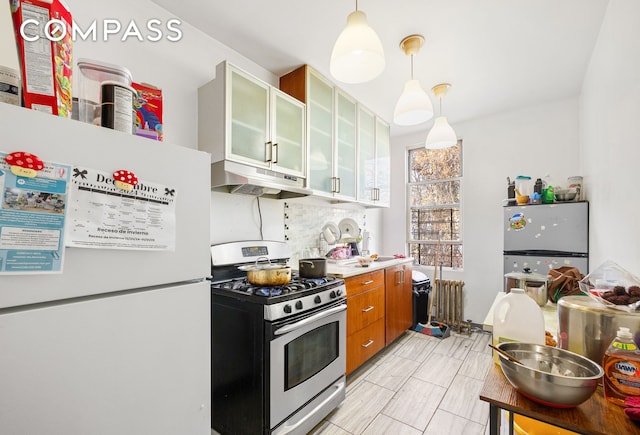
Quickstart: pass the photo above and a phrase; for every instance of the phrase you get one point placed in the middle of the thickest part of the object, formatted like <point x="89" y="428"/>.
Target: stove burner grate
<point x="296" y="284"/>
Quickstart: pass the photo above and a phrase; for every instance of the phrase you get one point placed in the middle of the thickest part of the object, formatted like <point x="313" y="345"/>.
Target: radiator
<point x="447" y="304"/>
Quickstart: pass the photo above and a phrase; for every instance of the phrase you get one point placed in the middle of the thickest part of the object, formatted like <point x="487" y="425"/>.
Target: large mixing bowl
<point x="549" y="375"/>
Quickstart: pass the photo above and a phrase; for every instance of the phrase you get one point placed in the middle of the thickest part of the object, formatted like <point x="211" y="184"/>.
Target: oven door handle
<point x="308" y="320"/>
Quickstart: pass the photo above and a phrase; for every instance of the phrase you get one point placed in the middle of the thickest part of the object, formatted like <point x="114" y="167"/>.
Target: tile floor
<point x="418" y="385"/>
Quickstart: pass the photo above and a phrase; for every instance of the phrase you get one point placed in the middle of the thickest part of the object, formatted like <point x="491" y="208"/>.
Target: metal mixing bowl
<point x="565" y="195"/>
<point x="550" y="375"/>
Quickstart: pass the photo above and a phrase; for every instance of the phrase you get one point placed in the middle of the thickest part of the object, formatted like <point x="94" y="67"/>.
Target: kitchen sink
<point x="383" y="259"/>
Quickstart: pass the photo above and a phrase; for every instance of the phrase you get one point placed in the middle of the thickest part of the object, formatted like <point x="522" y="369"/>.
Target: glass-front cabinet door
<point x="288" y="148"/>
<point x="248" y="120"/>
<point x="320" y="134"/>
<point x="383" y="164"/>
<point x="366" y="155"/>
<point x="346" y="135"/>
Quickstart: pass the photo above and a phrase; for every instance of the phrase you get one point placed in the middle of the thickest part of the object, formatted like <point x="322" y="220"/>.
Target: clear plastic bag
<point x="613" y="287"/>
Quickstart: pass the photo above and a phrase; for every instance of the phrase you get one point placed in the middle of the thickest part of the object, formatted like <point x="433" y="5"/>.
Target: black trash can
<point x="421" y="290"/>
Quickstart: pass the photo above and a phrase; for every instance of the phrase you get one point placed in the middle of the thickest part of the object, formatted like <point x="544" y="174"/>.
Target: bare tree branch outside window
<point x="434" y="191"/>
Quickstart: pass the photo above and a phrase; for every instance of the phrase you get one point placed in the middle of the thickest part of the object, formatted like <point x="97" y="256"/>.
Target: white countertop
<point x="353" y="269"/>
<point x="549" y="311"/>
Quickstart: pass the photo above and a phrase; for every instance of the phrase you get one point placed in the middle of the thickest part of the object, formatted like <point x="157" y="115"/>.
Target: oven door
<point x="307" y="355"/>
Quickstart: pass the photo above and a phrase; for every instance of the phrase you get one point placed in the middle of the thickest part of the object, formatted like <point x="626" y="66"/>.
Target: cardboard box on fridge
<point x="46" y="62"/>
<point x="148" y="107"/>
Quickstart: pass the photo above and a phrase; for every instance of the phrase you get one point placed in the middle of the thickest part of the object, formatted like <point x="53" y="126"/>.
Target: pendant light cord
<point x="411" y="66"/>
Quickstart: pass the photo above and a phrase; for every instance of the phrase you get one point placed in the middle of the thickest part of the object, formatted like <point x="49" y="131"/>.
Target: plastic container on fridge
<point x="92" y="74"/>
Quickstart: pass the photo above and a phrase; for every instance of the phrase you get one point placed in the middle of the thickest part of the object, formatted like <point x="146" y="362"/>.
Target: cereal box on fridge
<point x="148" y="107"/>
<point x="43" y="30"/>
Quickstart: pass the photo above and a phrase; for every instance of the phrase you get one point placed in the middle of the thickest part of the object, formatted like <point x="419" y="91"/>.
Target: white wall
<point x="610" y="136"/>
<point x="533" y="141"/>
<point x="179" y="68"/>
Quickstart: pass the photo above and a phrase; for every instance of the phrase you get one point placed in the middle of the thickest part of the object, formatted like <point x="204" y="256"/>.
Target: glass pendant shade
<point x="414" y="106"/>
<point x="357" y="55"/>
<point x="441" y="135"/>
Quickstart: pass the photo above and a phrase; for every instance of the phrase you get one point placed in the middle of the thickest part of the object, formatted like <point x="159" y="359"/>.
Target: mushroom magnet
<point x="24" y="164"/>
<point x="125" y="180"/>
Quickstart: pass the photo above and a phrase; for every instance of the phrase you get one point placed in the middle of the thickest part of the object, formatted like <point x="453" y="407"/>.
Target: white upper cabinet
<point x="345" y="143"/>
<point x="288" y="134"/>
<point x="320" y="113"/>
<point x="366" y="155"/>
<point x="374" y="164"/>
<point x="383" y="164"/>
<point x="348" y="146"/>
<point x="245" y="120"/>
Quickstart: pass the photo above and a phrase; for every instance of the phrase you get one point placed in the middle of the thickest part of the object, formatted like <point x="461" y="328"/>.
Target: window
<point x="434" y="191"/>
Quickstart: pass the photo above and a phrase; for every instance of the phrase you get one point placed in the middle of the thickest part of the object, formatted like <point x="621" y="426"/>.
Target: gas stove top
<point x="268" y="294"/>
<point x="297" y="297"/>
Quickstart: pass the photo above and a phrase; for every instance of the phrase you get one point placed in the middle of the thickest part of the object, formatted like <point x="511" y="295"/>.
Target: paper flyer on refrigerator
<point x="32" y="219"/>
<point x="103" y="216"/>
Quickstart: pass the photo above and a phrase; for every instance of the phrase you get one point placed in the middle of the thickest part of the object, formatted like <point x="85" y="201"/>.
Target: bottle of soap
<point x="621" y="364"/>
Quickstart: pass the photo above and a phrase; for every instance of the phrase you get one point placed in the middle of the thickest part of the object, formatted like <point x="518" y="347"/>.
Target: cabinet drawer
<point x="364" y="282"/>
<point x="364" y="344"/>
<point x="365" y="308"/>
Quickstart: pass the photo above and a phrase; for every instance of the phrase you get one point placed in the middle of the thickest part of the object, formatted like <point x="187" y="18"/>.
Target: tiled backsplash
<point x="304" y="222"/>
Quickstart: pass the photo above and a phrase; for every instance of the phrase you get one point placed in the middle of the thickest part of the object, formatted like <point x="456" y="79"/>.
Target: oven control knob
<point x="339" y="292"/>
<point x="317" y="300"/>
<point x="333" y="295"/>
<point x="299" y="305"/>
<point x="287" y="308"/>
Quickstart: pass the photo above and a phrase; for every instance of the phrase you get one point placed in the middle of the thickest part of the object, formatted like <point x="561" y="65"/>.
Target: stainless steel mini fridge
<point x="547" y="236"/>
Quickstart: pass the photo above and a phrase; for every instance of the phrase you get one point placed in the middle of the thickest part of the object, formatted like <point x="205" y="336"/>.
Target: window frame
<point x="408" y="212"/>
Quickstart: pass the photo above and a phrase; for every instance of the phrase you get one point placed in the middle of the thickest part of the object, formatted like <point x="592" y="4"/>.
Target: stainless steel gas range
<point x="278" y="354"/>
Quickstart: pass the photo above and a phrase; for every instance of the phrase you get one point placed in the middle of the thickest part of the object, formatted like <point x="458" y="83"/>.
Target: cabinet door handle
<point x="268" y="152"/>
<point x="368" y="282"/>
<point x="339" y="185"/>
<point x="377" y="194"/>
<point x="274" y="152"/>
<point x="333" y="184"/>
<point x="402" y="277"/>
<point x="368" y="343"/>
<point x="369" y="308"/>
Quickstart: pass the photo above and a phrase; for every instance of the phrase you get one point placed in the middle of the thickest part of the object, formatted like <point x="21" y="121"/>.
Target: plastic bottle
<point x="621" y="364"/>
<point x="537" y="187"/>
<point x="548" y="191"/>
<point x="517" y="317"/>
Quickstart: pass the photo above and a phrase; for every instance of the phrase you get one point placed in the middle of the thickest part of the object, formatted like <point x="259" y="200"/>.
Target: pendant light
<point x="414" y="106"/>
<point x="357" y="55"/>
<point x="441" y="134"/>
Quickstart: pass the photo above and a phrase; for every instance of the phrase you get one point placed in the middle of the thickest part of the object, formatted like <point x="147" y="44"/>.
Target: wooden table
<point x="595" y="416"/>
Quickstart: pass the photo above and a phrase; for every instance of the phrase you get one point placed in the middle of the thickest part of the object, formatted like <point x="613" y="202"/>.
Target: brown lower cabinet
<point x="365" y="317"/>
<point x="379" y="310"/>
<point x="364" y="344"/>
<point x="398" y="301"/>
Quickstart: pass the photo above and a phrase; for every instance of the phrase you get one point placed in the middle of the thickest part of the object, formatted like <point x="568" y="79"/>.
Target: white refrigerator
<point x="119" y="342"/>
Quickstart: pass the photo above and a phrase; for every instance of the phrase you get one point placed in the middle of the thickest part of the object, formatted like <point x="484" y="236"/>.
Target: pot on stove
<point x="312" y="267"/>
<point x="267" y="274"/>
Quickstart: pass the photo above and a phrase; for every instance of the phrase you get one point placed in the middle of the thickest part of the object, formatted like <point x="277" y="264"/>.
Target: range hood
<point x="232" y="177"/>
